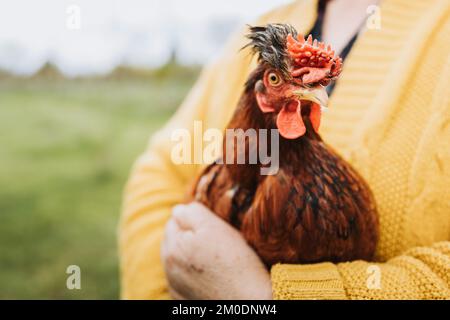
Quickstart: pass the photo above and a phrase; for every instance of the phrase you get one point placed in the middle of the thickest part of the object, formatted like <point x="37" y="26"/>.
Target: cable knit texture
<point x="389" y="117"/>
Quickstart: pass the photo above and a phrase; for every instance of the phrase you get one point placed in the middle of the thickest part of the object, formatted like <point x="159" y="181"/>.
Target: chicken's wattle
<point x="290" y="122"/>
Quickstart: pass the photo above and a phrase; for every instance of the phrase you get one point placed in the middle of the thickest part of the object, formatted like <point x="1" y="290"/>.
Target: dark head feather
<point x="269" y="42"/>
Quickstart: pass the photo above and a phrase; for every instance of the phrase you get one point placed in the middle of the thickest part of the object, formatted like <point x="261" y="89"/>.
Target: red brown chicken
<point x="316" y="207"/>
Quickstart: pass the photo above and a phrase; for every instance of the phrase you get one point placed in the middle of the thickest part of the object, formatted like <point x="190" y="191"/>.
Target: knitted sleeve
<point x="419" y="273"/>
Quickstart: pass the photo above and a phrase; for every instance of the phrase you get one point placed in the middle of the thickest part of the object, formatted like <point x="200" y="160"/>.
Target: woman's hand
<point x="206" y="258"/>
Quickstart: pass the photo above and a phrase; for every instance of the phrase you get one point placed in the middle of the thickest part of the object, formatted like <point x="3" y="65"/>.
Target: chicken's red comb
<point x="313" y="54"/>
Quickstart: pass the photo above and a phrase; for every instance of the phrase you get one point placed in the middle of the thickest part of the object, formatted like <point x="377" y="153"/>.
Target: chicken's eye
<point x="274" y="79"/>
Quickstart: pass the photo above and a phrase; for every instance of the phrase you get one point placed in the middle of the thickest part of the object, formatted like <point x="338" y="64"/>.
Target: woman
<point x="389" y="117"/>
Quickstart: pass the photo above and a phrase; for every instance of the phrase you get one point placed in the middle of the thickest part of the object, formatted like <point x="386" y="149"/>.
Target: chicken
<point x="315" y="207"/>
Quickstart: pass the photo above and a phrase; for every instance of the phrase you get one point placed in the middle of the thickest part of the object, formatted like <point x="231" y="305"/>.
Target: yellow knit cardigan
<point x="389" y="117"/>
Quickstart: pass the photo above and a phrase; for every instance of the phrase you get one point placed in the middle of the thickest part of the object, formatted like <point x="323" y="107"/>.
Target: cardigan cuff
<point x="311" y="281"/>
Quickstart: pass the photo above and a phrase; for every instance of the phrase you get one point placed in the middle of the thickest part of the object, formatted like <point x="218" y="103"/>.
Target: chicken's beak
<point x="317" y="95"/>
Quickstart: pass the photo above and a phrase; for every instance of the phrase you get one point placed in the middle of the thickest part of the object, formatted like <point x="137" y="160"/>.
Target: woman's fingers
<point x="176" y="243"/>
<point x="171" y="232"/>
<point x="191" y="216"/>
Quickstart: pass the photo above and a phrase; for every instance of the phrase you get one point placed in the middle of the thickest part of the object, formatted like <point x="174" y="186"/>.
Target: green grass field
<point x="66" y="150"/>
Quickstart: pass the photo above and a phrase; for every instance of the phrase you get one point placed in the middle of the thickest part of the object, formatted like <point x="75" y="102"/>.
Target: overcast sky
<point x="107" y="33"/>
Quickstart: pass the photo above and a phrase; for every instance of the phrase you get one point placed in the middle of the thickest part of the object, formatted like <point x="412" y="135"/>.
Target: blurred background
<point x="83" y="85"/>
